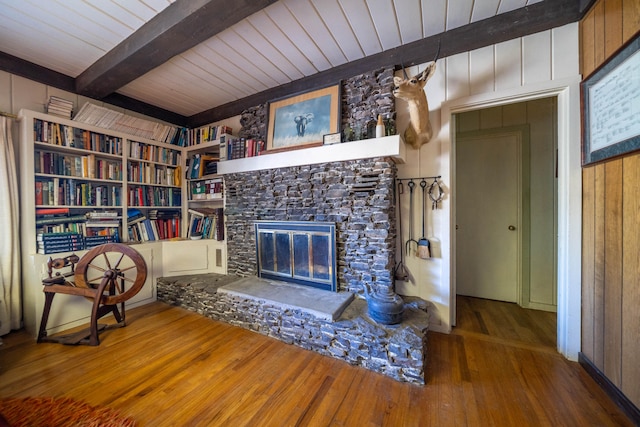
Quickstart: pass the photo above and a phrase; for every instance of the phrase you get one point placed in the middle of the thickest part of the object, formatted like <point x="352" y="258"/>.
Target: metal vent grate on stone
<point x="366" y="183"/>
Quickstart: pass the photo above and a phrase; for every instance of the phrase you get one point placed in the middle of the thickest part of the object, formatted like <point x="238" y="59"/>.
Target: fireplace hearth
<point x="398" y="351"/>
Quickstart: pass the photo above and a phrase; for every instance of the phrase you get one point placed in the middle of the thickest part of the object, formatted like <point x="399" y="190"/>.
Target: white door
<point x="488" y="219"/>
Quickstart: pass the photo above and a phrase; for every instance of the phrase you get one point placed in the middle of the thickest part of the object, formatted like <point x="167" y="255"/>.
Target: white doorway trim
<point x="569" y="271"/>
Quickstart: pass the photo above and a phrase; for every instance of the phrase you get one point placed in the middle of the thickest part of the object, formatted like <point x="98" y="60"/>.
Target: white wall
<point x="513" y="69"/>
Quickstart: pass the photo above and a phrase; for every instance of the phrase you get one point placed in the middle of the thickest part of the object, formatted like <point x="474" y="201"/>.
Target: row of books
<point x="96" y="115"/>
<point x="150" y="173"/>
<point x="57" y="230"/>
<point x="79" y="166"/>
<point x="70" y="192"/>
<point x="240" y="148"/>
<point x="207" y="134"/>
<point x="154" y="196"/>
<point x="201" y="165"/>
<point x="69" y="136"/>
<point x="207" y="189"/>
<point x="159" y="225"/>
<point x="49" y="243"/>
<point x="206" y="223"/>
<point x="154" y="153"/>
<point x="60" y="107"/>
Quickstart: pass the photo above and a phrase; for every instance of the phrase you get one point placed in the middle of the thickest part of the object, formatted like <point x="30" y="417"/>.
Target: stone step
<point x="320" y="303"/>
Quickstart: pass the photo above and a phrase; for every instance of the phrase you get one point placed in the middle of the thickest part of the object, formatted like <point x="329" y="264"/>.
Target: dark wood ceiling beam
<point x="29" y="70"/>
<point x="507" y="26"/>
<point x="181" y="26"/>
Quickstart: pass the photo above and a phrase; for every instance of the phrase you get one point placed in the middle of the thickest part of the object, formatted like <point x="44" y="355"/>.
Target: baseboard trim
<point x="614" y="392"/>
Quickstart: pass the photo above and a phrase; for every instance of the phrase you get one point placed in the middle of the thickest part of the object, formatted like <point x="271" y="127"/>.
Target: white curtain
<point x="10" y="305"/>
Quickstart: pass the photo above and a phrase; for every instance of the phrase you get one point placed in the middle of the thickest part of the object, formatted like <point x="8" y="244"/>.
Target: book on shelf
<point x="201" y="163"/>
<point x="60" y="107"/>
<point x="63" y="237"/>
<point x="93" y="241"/>
<point x="156" y="224"/>
<point x="52" y="211"/>
<point x="154" y="196"/>
<point x="71" y="192"/>
<point x="207" y="190"/>
<point x="68" y="136"/>
<point x="61" y="248"/>
<point x="109" y="119"/>
<point x="206" y="222"/>
<point x="206" y="134"/>
<point x="240" y="148"/>
<point x="57" y="219"/>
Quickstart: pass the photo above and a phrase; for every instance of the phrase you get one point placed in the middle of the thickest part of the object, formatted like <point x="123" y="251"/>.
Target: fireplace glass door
<point x="299" y="252"/>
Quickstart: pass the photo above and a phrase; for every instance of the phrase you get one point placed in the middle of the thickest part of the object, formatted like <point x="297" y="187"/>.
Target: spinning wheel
<point x="112" y="261"/>
<point x="108" y="275"/>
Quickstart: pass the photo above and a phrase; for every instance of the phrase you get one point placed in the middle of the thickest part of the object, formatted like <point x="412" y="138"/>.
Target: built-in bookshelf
<point x="205" y="187"/>
<point x="85" y="184"/>
<point x="80" y="180"/>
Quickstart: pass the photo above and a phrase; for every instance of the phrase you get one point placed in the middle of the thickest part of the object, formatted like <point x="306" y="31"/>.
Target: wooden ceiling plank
<point x="253" y="58"/>
<point x="386" y="23"/>
<point x="408" y="13"/>
<point x="326" y="53"/>
<point x="177" y="28"/>
<point x="226" y="53"/>
<point x="434" y="17"/>
<point x="334" y="18"/>
<point x="281" y="58"/>
<point x="282" y="34"/>
<point x="462" y="15"/>
<point x="124" y="22"/>
<point x="509" y="5"/>
<point x="239" y="79"/>
<point x="359" y="16"/>
<point x="287" y="24"/>
<point x="484" y="9"/>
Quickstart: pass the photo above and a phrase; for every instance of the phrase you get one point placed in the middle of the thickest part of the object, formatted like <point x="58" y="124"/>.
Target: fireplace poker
<point x="400" y="272"/>
<point x="411" y="185"/>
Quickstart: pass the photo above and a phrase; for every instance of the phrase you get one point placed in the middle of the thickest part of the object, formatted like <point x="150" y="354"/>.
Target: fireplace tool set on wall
<point x="435" y="193"/>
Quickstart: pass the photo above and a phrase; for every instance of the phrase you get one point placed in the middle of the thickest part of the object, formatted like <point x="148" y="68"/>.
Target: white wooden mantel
<point x="389" y="146"/>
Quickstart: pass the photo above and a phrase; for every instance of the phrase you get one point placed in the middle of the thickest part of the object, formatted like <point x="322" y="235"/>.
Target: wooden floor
<point x="171" y="367"/>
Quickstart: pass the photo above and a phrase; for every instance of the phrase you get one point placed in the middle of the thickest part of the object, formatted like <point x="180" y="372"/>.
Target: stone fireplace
<point x="356" y="195"/>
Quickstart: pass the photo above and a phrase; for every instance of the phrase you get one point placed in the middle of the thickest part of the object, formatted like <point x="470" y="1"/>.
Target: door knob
<point x="511" y="227"/>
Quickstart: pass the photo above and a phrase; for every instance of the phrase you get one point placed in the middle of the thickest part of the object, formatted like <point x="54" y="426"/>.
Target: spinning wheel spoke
<point x="119" y="261"/>
<point x="106" y="260"/>
<point x="115" y="291"/>
<point x="97" y="268"/>
<point x="122" y="270"/>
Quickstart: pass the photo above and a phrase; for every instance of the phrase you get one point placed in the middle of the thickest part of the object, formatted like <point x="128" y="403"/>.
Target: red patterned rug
<point x="57" y="412"/>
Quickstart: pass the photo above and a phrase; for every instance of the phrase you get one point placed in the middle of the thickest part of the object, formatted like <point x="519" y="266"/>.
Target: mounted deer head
<point x="419" y="131"/>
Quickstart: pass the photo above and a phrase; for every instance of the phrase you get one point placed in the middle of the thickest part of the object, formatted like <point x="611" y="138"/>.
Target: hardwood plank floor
<point x="172" y="367"/>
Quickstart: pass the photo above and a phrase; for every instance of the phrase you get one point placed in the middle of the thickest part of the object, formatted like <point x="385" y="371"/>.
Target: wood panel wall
<point x="611" y="223"/>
